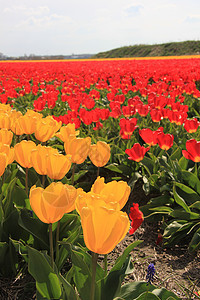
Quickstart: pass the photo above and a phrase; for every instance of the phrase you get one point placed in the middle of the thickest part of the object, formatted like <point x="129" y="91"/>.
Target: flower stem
<point x="27" y="181"/>
<point x="51" y="243"/>
<point x="105" y="264"/>
<point x="98" y="171"/>
<point x="94" y="265"/>
<point x="73" y="172"/>
<point x="57" y="239"/>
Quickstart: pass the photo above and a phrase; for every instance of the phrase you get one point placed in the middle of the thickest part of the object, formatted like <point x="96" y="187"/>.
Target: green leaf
<point x="192" y="180"/>
<point x="195" y="242"/>
<point x="120" y="260"/>
<point x="69" y="292"/>
<point x="47" y="282"/>
<point x="81" y="274"/>
<point x="183" y="163"/>
<point x="139" y="289"/>
<point x="8" y="200"/>
<point x="147" y="296"/>
<point x="34" y="226"/>
<point x="181" y="192"/>
<point x="182" y="214"/>
<point x="123" y="266"/>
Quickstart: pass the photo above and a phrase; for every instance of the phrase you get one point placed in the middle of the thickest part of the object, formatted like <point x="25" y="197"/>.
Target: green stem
<point x="51" y="243"/>
<point x="73" y="172"/>
<point x="94" y="265"/>
<point x="98" y="169"/>
<point x="57" y="239"/>
<point x="26" y="181"/>
<point x="105" y="264"/>
<point x="43" y="181"/>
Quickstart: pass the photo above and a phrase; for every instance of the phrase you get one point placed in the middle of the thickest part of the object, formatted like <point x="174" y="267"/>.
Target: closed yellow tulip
<point x="5" y="107"/>
<point x="114" y="191"/>
<point x="52" y="203"/>
<point x="67" y="131"/>
<point x="6" y="136"/>
<point x="46" y="128"/>
<point x="78" y="148"/>
<point x="9" y="151"/>
<point x="5" y="121"/>
<point x="39" y="158"/>
<point x="58" y="165"/>
<point x="27" y="124"/>
<point x="103" y="228"/>
<point x="15" y="126"/>
<point x="99" y="154"/>
<point x="23" y="153"/>
<point x="3" y="163"/>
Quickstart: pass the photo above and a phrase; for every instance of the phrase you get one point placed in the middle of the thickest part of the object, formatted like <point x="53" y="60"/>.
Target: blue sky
<point x="47" y="27"/>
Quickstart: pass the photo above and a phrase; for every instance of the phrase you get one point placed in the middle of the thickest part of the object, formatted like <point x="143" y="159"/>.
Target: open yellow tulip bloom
<point x="23" y="153"/>
<point x="91" y="199"/>
<point x="99" y="154"/>
<point x="52" y="203"/>
<point x="114" y="191"/>
<point x="103" y="228"/>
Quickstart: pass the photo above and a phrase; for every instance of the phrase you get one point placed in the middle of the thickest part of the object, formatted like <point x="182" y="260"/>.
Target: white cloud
<point x="28" y="11"/>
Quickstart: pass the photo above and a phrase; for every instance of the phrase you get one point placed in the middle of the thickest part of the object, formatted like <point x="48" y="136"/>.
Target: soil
<point x="176" y="269"/>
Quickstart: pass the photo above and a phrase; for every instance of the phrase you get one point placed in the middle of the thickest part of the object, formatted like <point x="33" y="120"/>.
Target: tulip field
<point x="75" y="137"/>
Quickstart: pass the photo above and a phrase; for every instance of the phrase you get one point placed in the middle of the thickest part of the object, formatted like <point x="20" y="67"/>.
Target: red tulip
<point x="165" y="141"/>
<point x="137" y="152"/>
<point x="191" y="125"/>
<point x="150" y="136"/>
<point x="193" y="150"/>
<point x="136" y="216"/>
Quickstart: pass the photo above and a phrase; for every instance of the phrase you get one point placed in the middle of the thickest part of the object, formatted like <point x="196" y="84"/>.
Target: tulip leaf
<point x="147" y="296"/>
<point x="120" y="260"/>
<point x="47" y="282"/>
<point x="35" y="227"/>
<point x="140" y="290"/>
<point x="182" y="192"/>
<point x="8" y="200"/>
<point x="123" y="266"/>
<point x="192" y="180"/>
<point x="69" y="292"/>
<point x="182" y="214"/>
<point x="81" y="274"/>
<point x="195" y="242"/>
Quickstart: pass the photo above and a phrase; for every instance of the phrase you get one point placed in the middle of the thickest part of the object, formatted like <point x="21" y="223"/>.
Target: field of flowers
<point x="75" y="137"/>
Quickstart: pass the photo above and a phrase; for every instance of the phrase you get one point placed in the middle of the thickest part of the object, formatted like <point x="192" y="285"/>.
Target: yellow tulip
<point x="103" y="228"/>
<point x="39" y="158"/>
<point x="99" y="154"/>
<point x="78" y="148"/>
<point x="27" y="124"/>
<point x="52" y="203"/>
<point x="23" y="153"/>
<point x="46" y="128"/>
<point x="114" y="191"/>
<point x="3" y="163"/>
<point x="84" y="199"/>
<point x="58" y="165"/>
<point x="6" y="136"/>
<point x="14" y="126"/>
<point x="5" y="107"/>
<point x="67" y="131"/>
<point x="8" y="151"/>
<point x="5" y="121"/>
